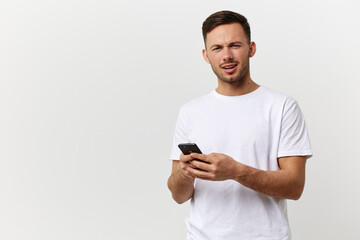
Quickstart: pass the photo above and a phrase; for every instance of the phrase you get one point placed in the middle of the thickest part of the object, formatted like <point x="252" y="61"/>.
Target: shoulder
<point x="275" y="95"/>
<point x="277" y="98"/>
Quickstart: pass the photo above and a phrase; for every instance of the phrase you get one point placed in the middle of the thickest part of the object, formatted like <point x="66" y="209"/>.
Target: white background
<point x="89" y="95"/>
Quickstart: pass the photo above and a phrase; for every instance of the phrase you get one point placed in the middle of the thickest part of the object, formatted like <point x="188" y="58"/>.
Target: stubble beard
<point x="240" y="77"/>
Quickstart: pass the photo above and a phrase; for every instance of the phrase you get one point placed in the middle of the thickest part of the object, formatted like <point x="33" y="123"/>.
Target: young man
<point x="254" y="141"/>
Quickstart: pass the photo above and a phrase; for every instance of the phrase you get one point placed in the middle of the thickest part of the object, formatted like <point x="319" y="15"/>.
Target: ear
<point x="252" y="49"/>
<point x="205" y="55"/>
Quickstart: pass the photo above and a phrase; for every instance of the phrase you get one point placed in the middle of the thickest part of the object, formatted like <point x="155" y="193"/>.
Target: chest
<point x="235" y="128"/>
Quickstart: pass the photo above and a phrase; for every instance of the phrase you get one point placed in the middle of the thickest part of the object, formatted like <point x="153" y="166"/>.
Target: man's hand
<point x="216" y="166"/>
<point x="185" y="165"/>
<point x="181" y="181"/>
<point x="287" y="182"/>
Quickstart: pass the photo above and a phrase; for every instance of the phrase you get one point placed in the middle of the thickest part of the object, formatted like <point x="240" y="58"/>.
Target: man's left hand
<point x="216" y="166"/>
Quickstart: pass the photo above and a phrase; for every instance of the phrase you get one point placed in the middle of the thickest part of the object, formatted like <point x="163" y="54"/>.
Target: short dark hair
<point x="225" y="17"/>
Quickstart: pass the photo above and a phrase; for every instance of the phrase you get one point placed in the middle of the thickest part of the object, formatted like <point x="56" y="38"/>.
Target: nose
<point x="228" y="55"/>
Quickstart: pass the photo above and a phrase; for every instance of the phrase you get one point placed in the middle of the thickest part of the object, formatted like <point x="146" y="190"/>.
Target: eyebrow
<point x="219" y="45"/>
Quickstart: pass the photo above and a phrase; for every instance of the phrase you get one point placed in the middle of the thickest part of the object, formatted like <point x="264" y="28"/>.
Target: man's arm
<point x="181" y="181"/>
<point x="288" y="182"/>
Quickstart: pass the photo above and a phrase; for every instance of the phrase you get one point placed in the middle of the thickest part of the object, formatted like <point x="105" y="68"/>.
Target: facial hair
<point x="240" y="77"/>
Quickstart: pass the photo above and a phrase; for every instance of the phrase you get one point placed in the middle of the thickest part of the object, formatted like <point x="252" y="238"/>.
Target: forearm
<point x="181" y="186"/>
<point x="278" y="184"/>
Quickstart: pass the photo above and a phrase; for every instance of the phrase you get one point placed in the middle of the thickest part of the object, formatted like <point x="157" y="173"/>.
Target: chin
<point x="234" y="79"/>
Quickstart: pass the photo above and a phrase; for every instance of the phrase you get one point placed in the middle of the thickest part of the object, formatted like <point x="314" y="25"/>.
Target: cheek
<point x="245" y="53"/>
<point x="214" y="58"/>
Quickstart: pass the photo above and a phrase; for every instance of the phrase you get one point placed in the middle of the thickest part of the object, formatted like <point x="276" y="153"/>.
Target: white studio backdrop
<point x="89" y="95"/>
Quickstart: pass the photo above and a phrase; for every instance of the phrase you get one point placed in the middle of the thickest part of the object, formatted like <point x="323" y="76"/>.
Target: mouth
<point x="229" y="67"/>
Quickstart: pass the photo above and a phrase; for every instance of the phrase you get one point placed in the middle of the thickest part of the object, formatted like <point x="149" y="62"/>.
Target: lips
<point x="229" y="67"/>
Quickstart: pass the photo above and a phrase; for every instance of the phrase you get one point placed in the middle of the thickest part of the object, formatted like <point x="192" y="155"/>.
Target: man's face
<point x="228" y="52"/>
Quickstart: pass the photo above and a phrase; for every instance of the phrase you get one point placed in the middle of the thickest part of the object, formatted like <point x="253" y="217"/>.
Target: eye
<point x="216" y="48"/>
<point x="236" y="46"/>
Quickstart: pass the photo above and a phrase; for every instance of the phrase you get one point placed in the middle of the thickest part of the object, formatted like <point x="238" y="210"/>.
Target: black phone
<point x="188" y="148"/>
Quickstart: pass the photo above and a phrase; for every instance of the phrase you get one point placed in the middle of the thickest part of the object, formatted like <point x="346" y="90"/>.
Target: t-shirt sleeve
<point x="294" y="138"/>
<point x="180" y="136"/>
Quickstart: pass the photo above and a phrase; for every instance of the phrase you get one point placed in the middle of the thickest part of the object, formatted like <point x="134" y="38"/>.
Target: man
<point x="254" y="141"/>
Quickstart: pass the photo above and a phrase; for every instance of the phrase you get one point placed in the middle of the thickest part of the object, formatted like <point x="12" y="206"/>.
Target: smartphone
<point x="188" y="148"/>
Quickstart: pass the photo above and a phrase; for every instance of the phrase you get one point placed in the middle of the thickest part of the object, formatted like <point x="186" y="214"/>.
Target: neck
<point x="245" y="86"/>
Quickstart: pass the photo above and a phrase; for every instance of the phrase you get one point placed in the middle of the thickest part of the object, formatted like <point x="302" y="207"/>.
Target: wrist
<point x="239" y="172"/>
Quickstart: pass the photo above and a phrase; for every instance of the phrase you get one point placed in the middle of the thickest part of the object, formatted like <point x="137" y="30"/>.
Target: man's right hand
<point x="181" y="181"/>
<point x="184" y="164"/>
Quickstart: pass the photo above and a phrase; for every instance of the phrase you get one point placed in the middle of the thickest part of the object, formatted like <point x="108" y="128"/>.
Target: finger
<point x="188" y="174"/>
<point x="184" y="171"/>
<point x="186" y="158"/>
<point x="201" y="165"/>
<point x="185" y="165"/>
<point x="202" y="157"/>
<point x="201" y="174"/>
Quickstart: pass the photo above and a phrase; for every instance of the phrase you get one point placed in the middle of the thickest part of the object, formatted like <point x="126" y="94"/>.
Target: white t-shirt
<point x="255" y="129"/>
